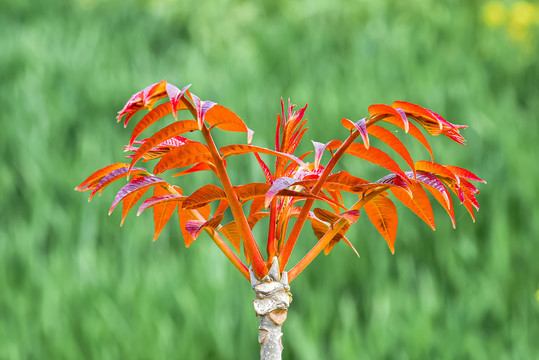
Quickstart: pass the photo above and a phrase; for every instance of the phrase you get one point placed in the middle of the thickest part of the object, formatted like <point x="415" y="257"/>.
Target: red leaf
<point x="419" y="203"/>
<point x="392" y="141"/>
<point x="265" y="169"/>
<point x="138" y="184"/>
<point x="383" y="214"/>
<point x="361" y="127"/>
<point x="133" y="105"/>
<point x="204" y="196"/>
<point x="464" y="174"/>
<point x="189" y="154"/>
<point x="166" y="133"/>
<point x="153" y="93"/>
<point x="239" y="149"/>
<point x="225" y="119"/>
<point x="432" y="122"/>
<point x="377" y="157"/>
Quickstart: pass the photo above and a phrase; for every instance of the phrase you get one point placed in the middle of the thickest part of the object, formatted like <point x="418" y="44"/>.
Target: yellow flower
<point x="523" y="13"/>
<point x="494" y="13"/>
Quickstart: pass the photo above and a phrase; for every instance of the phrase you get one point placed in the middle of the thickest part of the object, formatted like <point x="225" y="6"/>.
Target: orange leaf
<point x="225" y="119"/>
<point x="162" y="211"/>
<point x="151" y="117"/>
<point x="412" y="130"/>
<point x="250" y="191"/>
<point x="196" y="168"/>
<point x="184" y="155"/>
<point x="130" y="200"/>
<point x="204" y="196"/>
<point x="419" y="203"/>
<point x="376" y="156"/>
<point x="383" y="214"/>
<point x="392" y="141"/>
<point x="231" y="232"/>
<point x="387" y="111"/>
<point x="166" y="133"/>
<point x="93" y="180"/>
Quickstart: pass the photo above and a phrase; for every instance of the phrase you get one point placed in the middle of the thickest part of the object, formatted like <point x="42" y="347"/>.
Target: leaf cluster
<point x="291" y="185"/>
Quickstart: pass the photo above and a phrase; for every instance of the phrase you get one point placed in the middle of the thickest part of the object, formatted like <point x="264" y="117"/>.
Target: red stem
<point x="284" y="256"/>
<point x="253" y="252"/>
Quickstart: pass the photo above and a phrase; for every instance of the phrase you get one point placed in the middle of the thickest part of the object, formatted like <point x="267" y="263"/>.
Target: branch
<point x="334" y="230"/>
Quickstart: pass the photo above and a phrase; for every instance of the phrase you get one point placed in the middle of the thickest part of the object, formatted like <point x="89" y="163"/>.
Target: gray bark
<point x="271" y="306"/>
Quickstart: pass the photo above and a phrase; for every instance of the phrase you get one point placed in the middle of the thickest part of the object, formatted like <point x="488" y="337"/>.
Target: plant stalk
<point x="271" y="304"/>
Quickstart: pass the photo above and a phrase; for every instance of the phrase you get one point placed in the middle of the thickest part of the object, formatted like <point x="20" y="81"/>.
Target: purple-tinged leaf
<point x="175" y="94"/>
<point x="359" y="126"/>
<point x="159" y="200"/>
<point x="93" y="180"/>
<point x="136" y="185"/>
<point x="384" y="111"/>
<point x="278" y="185"/>
<point x="115" y="175"/>
<point x="202" y="108"/>
<point x="194" y="227"/>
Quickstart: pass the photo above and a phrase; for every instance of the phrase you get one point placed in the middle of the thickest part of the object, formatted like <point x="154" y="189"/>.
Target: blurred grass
<point x="75" y="285"/>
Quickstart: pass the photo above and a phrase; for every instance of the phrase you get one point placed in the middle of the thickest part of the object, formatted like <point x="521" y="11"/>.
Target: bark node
<point x="272" y="299"/>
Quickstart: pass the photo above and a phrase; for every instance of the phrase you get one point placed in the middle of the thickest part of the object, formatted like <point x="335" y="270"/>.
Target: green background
<point x="74" y="285"/>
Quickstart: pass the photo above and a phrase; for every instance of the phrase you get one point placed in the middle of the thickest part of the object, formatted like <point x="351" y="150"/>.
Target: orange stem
<point x="284" y="256"/>
<point x="253" y="252"/>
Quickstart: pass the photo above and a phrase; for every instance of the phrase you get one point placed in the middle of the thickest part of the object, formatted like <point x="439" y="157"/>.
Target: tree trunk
<point x="271" y="305"/>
